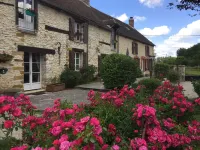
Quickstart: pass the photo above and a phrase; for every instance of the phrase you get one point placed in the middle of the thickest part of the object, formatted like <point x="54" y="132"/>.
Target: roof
<point x="94" y="16"/>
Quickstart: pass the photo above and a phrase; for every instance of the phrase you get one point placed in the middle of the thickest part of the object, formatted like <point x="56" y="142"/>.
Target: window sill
<point x="33" y="32"/>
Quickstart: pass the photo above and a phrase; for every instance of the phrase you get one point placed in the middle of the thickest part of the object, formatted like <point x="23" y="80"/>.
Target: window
<point x="113" y="39"/>
<point x="26" y="14"/>
<point x="147" y="51"/>
<point x="79" y="32"/>
<point x="134" y="48"/>
<point x="77" y="61"/>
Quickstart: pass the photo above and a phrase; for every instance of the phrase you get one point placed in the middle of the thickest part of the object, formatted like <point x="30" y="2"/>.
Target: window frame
<point x="135" y="48"/>
<point x="80" y="61"/>
<point x="26" y="23"/>
<point x="79" y="29"/>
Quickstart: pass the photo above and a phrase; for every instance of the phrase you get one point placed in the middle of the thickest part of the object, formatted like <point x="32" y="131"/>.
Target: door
<point x="32" y="71"/>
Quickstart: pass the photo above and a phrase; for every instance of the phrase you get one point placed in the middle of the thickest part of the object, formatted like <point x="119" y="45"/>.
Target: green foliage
<point x="87" y="73"/>
<point x="173" y="76"/>
<point x="118" y="70"/>
<point x="150" y="85"/>
<point x="191" y="55"/>
<point x="70" y="78"/>
<point x="8" y="143"/>
<point x="180" y="60"/>
<point x="167" y="60"/>
<point x="161" y="70"/>
<point x="196" y="85"/>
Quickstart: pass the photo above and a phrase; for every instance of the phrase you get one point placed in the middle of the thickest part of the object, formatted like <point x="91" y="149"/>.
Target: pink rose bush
<point x="118" y="119"/>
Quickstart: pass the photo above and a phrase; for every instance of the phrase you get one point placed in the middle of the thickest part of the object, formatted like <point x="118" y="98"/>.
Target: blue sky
<point x="168" y="29"/>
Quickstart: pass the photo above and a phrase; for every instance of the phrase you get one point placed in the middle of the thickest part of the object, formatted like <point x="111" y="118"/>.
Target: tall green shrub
<point x="70" y="77"/>
<point x="196" y="85"/>
<point x="173" y="76"/>
<point x="161" y="70"/>
<point x="118" y="70"/>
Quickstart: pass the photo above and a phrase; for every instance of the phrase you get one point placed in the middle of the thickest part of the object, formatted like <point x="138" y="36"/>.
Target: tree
<point x="191" y="55"/>
<point x="193" y="5"/>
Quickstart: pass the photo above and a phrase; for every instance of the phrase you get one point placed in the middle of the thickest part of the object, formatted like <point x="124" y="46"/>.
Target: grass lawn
<point x="192" y="71"/>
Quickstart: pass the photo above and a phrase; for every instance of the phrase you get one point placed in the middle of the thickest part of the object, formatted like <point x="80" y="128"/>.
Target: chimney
<point x="131" y="22"/>
<point x="87" y="2"/>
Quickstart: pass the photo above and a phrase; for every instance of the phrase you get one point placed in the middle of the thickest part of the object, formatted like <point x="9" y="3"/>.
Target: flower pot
<point x="55" y="87"/>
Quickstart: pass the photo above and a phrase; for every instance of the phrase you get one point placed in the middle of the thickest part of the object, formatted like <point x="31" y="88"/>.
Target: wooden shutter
<point x="71" y="60"/>
<point x="36" y="16"/>
<point x="85" y="33"/>
<point x="136" y="49"/>
<point x="71" y="29"/>
<point x="84" y="59"/>
<point x="133" y="48"/>
<point x="16" y="13"/>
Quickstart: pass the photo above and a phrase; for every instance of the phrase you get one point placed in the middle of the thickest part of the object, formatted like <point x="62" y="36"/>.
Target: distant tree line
<point x="188" y="57"/>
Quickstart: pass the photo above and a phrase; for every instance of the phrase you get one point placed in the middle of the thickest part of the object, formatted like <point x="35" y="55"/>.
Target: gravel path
<point x="189" y="90"/>
<point x="75" y="96"/>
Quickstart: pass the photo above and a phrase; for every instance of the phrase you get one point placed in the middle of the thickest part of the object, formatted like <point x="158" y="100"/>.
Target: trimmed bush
<point x="87" y="73"/>
<point x="70" y="77"/>
<point x="117" y="70"/>
<point x="151" y="84"/>
<point x="196" y="85"/>
<point x="173" y="76"/>
<point x="161" y="70"/>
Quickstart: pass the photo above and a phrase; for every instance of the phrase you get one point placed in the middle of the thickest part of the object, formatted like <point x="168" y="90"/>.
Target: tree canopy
<point x="191" y="55"/>
<point x="193" y="5"/>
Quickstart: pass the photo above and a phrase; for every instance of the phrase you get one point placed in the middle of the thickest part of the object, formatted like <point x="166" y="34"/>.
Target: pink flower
<point x="85" y="119"/>
<point x="65" y="145"/>
<point x="52" y="148"/>
<point x="104" y="147"/>
<point x="8" y="124"/>
<point x="143" y="148"/>
<point x="118" y="102"/>
<point x="118" y="139"/>
<point x="69" y="111"/>
<point x="17" y="112"/>
<point x="94" y="122"/>
<point x="66" y="125"/>
<point x="79" y="127"/>
<point x="63" y="138"/>
<point x="115" y="147"/>
<point x="97" y="130"/>
<point x="131" y="93"/>
<point x="37" y="148"/>
<point x="24" y="147"/>
<point x="56" y="130"/>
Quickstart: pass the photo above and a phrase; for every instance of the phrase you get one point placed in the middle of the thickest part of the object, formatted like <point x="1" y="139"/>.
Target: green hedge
<point x="118" y="70"/>
<point x="151" y="84"/>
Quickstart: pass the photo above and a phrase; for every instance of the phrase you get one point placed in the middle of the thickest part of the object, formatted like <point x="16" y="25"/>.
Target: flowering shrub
<point x="112" y="121"/>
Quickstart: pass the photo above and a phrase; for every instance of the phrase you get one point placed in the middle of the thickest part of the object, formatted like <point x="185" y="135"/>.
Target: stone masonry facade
<point x="11" y="37"/>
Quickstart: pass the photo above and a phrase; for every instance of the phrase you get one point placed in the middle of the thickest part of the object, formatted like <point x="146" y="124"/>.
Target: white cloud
<point x="123" y="17"/>
<point x="182" y="39"/>
<point x="161" y="30"/>
<point x="139" y="18"/>
<point x="151" y="3"/>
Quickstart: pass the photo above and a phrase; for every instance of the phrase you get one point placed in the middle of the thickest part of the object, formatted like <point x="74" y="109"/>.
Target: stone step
<point x="35" y="92"/>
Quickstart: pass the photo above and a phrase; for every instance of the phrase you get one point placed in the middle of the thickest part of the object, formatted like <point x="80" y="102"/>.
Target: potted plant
<point x="55" y="85"/>
<point x="5" y="57"/>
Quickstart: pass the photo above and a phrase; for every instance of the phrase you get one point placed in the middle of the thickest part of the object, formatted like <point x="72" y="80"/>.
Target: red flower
<point x="8" y="124"/>
<point x="112" y="129"/>
<point x="17" y="112"/>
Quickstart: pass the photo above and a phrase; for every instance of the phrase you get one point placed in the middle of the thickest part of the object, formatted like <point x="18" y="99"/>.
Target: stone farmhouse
<point x="45" y="36"/>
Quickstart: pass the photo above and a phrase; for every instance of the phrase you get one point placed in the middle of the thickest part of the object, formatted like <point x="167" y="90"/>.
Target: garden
<point x="151" y="115"/>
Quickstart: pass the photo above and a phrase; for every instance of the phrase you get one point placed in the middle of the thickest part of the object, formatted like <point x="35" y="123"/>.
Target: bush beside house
<point x="161" y="70"/>
<point x="118" y="70"/>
